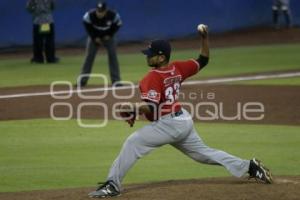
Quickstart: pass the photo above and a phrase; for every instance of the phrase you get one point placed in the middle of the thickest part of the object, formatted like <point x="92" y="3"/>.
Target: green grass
<point x="47" y="154"/>
<point x="224" y="61"/>
<point x="280" y="81"/>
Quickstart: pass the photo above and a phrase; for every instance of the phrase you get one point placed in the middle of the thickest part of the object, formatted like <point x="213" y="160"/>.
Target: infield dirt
<point x="280" y="104"/>
<point x="285" y="188"/>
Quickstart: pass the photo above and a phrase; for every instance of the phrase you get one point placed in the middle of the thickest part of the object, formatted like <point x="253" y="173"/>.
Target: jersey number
<point x="169" y="93"/>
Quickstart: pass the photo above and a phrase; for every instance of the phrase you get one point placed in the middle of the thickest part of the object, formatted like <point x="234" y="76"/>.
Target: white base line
<point x="194" y="82"/>
<point x="244" y="78"/>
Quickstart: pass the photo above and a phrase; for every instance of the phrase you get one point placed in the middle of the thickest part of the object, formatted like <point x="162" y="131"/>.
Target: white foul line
<point x="71" y="91"/>
<point x="243" y="78"/>
<point x="193" y="82"/>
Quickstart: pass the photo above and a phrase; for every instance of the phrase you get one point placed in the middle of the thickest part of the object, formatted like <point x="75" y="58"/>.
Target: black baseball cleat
<point x="258" y="171"/>
<point x="38" y="61"/>
<point x="54" y="60"/>
<point x="107" y="189"/>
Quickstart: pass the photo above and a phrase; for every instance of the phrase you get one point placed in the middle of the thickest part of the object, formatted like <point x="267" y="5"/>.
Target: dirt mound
<point x="285" y="188"/>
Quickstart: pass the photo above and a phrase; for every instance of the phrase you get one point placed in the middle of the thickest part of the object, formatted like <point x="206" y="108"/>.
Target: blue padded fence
<point x="142" y="19"/>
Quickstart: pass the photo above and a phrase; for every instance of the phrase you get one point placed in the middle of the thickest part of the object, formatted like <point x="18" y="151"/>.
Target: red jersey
<point x="161" y="86"/>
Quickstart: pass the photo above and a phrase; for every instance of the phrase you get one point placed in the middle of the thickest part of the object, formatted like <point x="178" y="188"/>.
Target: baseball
<point x="201" y="27"/>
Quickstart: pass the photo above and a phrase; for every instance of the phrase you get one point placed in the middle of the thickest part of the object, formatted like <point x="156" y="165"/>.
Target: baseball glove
<point x="127" y="112"/>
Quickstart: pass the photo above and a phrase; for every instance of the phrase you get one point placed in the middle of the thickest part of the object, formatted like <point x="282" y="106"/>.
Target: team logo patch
<point x="152" y="94"/>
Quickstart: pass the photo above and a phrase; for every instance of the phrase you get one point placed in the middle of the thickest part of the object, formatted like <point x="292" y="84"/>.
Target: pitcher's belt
<point x="172" y="115"/>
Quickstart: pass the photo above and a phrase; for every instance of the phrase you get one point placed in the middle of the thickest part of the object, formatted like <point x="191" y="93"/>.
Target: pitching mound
<point x="285" y="188"/>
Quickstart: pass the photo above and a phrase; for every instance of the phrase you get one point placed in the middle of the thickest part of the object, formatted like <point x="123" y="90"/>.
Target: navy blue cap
<point x="158" y="47"/>
<point x="101" y="5"/>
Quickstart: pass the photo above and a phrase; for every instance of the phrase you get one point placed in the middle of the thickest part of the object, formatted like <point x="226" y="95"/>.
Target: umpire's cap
<point x="101" y="6"/>
<point x="158" y="47"/>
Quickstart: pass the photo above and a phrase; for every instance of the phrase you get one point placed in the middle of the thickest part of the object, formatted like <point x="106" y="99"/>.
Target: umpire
<point x="43" y="30"/>
<point x="101" y="24"/>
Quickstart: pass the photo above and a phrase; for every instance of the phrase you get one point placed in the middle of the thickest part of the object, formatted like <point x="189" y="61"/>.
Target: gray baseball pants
<point x="181" y="134"/>
<point x="91" y="51"/>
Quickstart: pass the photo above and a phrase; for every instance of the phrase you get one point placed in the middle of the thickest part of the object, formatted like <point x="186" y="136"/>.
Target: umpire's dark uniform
<point x="43" y="30"/>
<point x="101" y="25"/>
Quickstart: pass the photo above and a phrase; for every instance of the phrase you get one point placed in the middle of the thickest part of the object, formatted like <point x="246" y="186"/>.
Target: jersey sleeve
<point x="150" y="88"/>
<point x="187" y="68"/>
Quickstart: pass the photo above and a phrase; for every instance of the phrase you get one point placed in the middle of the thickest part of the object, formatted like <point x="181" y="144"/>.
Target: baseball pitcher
<point x="171" y="124"/>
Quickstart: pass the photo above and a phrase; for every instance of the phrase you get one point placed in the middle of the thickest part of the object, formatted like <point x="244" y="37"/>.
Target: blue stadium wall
<point x="142" y="19"/>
